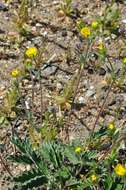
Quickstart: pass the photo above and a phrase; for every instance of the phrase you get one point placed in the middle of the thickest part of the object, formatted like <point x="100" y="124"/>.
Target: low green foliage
<point x="9" y="108"/>
<point x="55" y="165"/>
<point x="67" y="7"/>
<point x="21" y="17"/>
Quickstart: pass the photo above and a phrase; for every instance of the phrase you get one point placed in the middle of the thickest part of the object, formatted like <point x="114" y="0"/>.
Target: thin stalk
<point x="123" y="75"/>
<point x="41" y="94"/>
<point x="5" y="165"/>
<point x="102" y="107"/>
<point x="114" y="147"/>
<point x="77" y="84"/>
<point x="37" y="62"/>
<point x="110" y="64"/>
<point x="80" y="71"/>
<point x="32" y="80"/>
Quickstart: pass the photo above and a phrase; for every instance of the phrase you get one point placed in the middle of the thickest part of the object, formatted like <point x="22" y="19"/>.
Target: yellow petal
<point x="78" y="150"/>
<point x="120" y="170"/>
<point x="93" y="178"/>
<point x="15" y="73"/>
<point x="86" y="32"/>
<point x="31" y="52"/>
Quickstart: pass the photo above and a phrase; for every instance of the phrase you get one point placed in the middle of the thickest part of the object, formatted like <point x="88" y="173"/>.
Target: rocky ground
<point x="62" y="41"/>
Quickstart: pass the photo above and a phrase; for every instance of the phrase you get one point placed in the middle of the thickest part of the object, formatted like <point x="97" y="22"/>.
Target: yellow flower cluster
<point x="78" y="150"/>
<point x="93" y="178"/>
<point x="101" y="46"/>
<point x="85" y="32"/>
<point x="111" y="126"/>
<point x="31" y="52"/>
<point x="15" y="73"/>
<point x="120" y="170"/>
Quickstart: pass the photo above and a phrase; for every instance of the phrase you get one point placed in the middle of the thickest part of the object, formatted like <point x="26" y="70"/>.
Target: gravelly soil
<point x="61" y="44"/>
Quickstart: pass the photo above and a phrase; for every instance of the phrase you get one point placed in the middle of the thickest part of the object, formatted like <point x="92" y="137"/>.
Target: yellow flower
<point x="111" y="126"/>
<point x="85" y="31"/>
<point x="78" y="150"/>
<point x="93" y="178"/>
<point x="94" y="24"/>
<point x="124" y="60"/>
<point x="120" y="170"/>
<point x="101" y="46"/>
<point x="15" y="73"/>
<point x="31" y="52"/>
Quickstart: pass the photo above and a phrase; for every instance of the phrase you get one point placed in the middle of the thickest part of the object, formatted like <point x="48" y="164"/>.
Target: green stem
<point x="81" y="70"/>
<point x="32" y="91"/>
<point x="41" y="95"/>
<point x="102" y="107"/>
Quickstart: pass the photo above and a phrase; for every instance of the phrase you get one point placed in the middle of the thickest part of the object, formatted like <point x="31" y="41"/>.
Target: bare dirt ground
<point x="62" y="40"/>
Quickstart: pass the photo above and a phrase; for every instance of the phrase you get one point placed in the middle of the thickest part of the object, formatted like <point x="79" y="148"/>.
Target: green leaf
<point x="64" y="173"/>
<point x="119" y="187"/>
<point x="79" y="185"/>
<point x="116" y="185"/>
<point x="2" y="118"/>
<point x="20" y="159"/>
<point x="33" y="183"/>
<point x="17" y="141"/>
<point x="26" y="149"/>
<point x="27" y="175"/>
<point x="108" y="182"/>
<point x="52" y="153"/>
<point x="72" y="157"/>
<point x="74" y="183"/>
<point x="90" y="154"/>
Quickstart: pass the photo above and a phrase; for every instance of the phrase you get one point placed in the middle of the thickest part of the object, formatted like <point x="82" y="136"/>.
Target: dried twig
<point x="5" y="165"/>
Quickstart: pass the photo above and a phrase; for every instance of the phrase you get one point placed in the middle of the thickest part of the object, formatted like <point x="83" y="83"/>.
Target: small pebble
<point x="59" y="86"/>
<point x="49" y="70"/>
<point x="61" y="13"/>
<point x="102" y="71"/>
<point x="81" y="100"/>
<point x="64" y="33"/>
<point x="90" y="92"/>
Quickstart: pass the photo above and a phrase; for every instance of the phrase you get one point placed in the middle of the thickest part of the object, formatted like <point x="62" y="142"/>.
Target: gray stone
<point x="50" y="70"/>
<point x="90" y="92"/>
<point x="59" y="86"/>
<point x="82" y="100"/>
